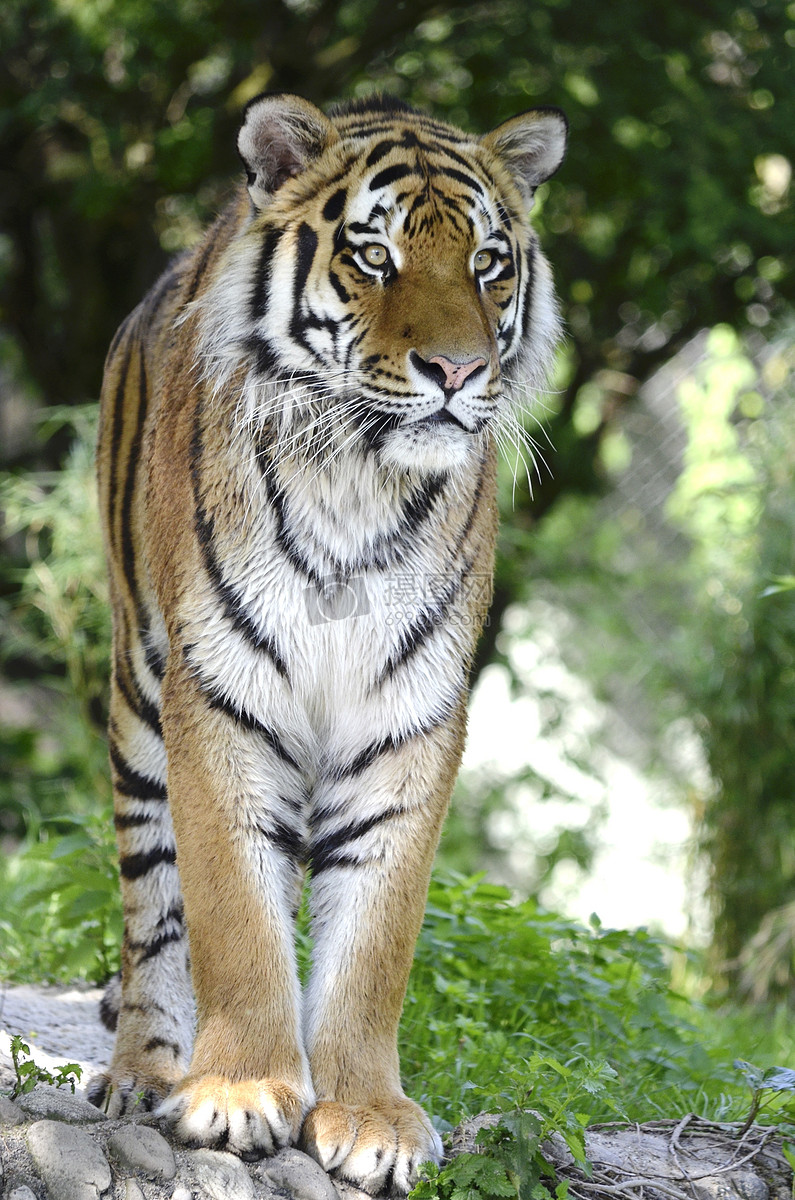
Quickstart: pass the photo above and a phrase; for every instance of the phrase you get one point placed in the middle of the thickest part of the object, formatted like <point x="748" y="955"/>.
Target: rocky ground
<point x="57" y="1146"/>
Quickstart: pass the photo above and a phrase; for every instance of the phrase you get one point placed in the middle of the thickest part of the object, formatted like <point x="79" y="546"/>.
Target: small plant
<point x="509" y="1163"/>
<point x="775" y="1080"/>
<point x="29" y="1073"/>
<point x="509" y="1160"/>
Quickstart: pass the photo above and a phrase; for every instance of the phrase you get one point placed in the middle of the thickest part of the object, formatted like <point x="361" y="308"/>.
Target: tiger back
<point x="297" y="480"/>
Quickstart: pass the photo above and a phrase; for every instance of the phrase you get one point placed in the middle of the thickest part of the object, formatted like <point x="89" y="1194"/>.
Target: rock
<point x="10" y="1113"/>
<point x="181" y="1193"/>
<point x="21" y="1193"/>
<point x="71" y="1164"/>
<point x="222" y="1175"/>
<point x="299" y="1175"/>
<point x="140" y="1148"/>
<point x="347" y="1191"/>
<point x="132" y="1190"/>
<point x="59" y="1104"/>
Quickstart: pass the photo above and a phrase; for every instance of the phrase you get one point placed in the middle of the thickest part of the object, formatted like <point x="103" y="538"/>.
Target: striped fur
<point x="297" y="479"/>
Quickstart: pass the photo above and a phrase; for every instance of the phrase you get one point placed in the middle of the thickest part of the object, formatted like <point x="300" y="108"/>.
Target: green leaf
<point x="753" y="1075"/>
<point x="779" y="1079"/>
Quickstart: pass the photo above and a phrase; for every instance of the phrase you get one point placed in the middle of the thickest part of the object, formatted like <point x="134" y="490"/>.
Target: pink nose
<point x="456" y="374"/>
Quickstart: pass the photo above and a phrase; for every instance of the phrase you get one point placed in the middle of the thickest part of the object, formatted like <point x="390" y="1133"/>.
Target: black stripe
<point x="468" y="181"/>
<point x="162" y="1044"/>
<point x="265" y="354"/>
<point x="417" y="634"/>
<point x="528" y="291"/>
<point x="339" y="287"/>
<point x="367" y="757"/>
<point x="306" y="249"/>
<point x="128" y="558"/>
<point x="332" y="209"/>
<point x="388" y="550"/>
<point x="233" y="608"/>
<point x="391" y="175"/>
<point x="284" y="535"/>
<point x="157" y="945"/>
<point x="324" y="852"/>
<point x="132" y="820"/>
<point x="361" y="130"/>
<point x="134" y="866"/>
<point x="388" y="745"/>
<point x="262" y="277"/>
<point x="130" y="783"/>
<point x="201" y="266"/>
<point x="147" y="1008"/>
<point x="379" y="151"/>
<point x="418" y="508"/>
<point x="168" y="281"/>
<point x="144" y="709"/>
<point x="118" y="335"/>
<point x="154" y="661"/>
<point x="285" y="838"/>
<point x="117" y="432"/>
<point x="246" y="721"/>
<point x="433" y="616"/>
<point x="448" y="152"/>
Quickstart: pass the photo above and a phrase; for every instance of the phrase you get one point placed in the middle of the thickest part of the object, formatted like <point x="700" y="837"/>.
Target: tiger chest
<point x="332" y="658"/>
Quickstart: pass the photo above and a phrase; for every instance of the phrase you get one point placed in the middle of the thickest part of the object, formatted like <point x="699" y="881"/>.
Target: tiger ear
<point x="531" y="145"/>
<point x="280" y="134"/>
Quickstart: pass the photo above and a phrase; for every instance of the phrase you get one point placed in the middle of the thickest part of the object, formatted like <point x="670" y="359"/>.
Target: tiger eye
<point x="375" y="255"/>
<point x="483" y="260"/>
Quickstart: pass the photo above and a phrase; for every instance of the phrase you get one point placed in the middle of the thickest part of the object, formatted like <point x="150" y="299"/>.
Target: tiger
<point x="297" y="454"/>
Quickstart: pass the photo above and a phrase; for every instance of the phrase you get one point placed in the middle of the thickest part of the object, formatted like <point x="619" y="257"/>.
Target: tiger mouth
<point x="442" y="416"/>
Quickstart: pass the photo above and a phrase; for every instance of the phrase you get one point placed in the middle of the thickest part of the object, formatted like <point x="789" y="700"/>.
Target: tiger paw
<point x="252" y="1118"/>
<point x="375" y="1147"/>
<point x="120" y="1091"/>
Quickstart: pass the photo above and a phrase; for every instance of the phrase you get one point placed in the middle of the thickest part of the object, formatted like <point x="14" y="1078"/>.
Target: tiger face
<point x="388" y="272"/>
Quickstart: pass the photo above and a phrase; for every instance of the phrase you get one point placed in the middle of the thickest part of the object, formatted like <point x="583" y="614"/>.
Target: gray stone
<point x="346" y="1191"/>
<point x="298" y="1175"/>
<point x="10" y="1113"/>
<point x="132" y="1190"/>
<point x="143" y="1149"/>
<point x="71" y="1164"/>
<point x="181" y="1193"/>
<point x="22" y="1193"/>
<point x="221" y="1175"/>
<point x="59" y="1104"/>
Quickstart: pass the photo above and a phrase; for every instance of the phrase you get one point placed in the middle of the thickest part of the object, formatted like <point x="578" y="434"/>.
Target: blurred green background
<point x="652" y="558"/>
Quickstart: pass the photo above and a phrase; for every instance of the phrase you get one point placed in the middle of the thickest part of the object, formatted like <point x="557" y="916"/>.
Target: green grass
<point x="507" y="1001"/>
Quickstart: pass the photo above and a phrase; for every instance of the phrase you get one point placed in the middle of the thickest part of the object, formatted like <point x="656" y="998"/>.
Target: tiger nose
<point x="454" y="375"/>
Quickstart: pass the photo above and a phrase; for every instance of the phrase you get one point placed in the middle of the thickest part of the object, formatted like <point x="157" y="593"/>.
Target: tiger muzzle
<point x="450" y="376"/>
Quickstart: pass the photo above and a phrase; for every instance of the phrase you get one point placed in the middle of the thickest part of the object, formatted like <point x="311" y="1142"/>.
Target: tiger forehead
<point x="415" y="178"/>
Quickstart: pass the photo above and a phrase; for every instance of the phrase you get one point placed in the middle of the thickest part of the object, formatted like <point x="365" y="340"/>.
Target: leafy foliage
<point x="57" y="628"/>
<point x="671" y="601"/>
<point x="63" y="892"/>
<point x="767" y="1084"/>
<point x="28" y="1073"/>
<point x="505" y="997"/>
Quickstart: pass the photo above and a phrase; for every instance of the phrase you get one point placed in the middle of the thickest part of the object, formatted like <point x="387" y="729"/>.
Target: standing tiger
<point x="297" y="481"/>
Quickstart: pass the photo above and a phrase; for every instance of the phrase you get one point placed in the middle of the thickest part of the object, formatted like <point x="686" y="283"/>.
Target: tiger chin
<point x="297" y="481"/>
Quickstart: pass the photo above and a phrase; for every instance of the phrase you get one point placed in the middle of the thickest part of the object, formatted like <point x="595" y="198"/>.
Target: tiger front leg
<point x="236" y="806"/>
<point x="153" y="1014"/>
<point x="370" y="876"/>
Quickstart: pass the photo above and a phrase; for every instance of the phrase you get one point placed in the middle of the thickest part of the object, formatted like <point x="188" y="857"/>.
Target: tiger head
<point x="384" y="285"/>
